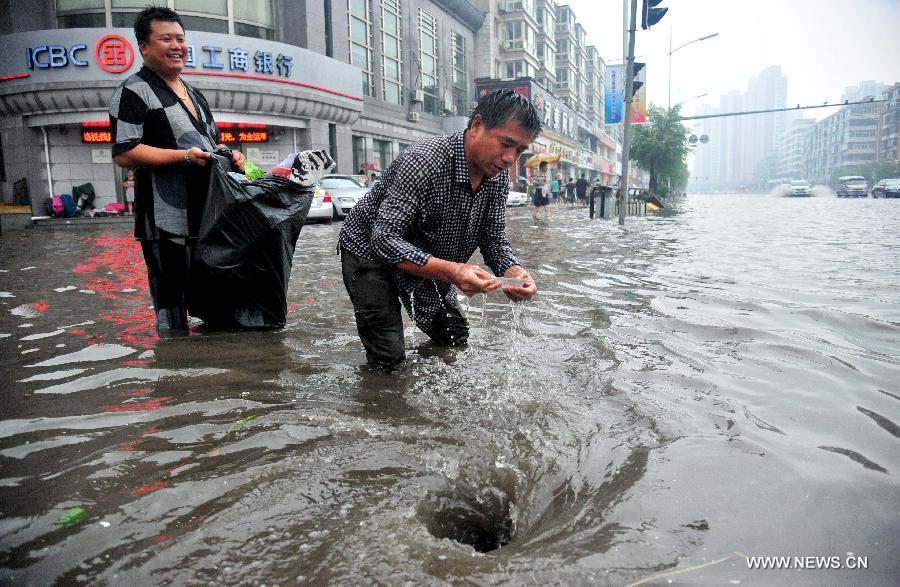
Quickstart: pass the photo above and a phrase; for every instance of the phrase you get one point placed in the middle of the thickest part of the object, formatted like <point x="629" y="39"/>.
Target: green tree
<point x="660" y="147"/>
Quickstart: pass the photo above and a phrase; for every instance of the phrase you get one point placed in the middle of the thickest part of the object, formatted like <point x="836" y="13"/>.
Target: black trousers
<point x="376" y="305"/>
<point x="168" y="271"/>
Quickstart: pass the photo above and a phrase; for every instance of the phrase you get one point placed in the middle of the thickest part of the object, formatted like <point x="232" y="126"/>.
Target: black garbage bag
<point x="242" y="261"/>
<point x="84" y="196"/>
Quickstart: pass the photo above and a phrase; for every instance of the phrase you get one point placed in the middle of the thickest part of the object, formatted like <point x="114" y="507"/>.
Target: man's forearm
<point x="147" y="156"/>
<point x="434" y="268"/>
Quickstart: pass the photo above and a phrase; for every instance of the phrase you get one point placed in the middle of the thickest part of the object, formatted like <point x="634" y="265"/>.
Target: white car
<point x="321" y="209"/>
<point x="516" y="199"/>
<point x="345" y="192"/>
<point x="799" y="188"/>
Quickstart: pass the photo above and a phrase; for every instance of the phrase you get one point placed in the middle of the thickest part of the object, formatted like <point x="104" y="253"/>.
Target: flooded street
<point x="683" y="392"/>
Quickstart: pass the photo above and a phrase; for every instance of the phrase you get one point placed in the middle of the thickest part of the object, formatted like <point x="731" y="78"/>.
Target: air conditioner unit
<point x="453" y="110"/>
<point x="474" y="104"/>
<point x="413" y="117"/>
<point x="418" y="96"/>
<point x="448" y="106"/>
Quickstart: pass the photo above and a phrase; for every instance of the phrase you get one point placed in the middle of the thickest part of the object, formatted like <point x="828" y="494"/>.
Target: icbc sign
<point x="114" y="54"/>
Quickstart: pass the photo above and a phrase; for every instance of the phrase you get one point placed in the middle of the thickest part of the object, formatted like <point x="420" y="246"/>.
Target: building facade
<point x="790" y="150"/>
<point x="361" y="78"/>
<point x="888" y="148"/>
<point x="847" y="138"/>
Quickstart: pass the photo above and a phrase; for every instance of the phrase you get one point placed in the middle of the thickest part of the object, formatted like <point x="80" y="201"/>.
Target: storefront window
<point x="86" y="20"/>
<point x="458" y="63"/>
<point x="359" y="152"/>
<point x="428" y="59"/>
<point x="81" y="13"/>
<point x="383" y="153"/>
<point x="123" y="19"/>
<point x="391" y="52"/>
<point x="249" y="18"/>
<point x="259" y="11"/>
<point x="207" y="25"/>
<point x="211" y="7"/>
<point x="360" y="42"/>
<point x="72" y="5"/>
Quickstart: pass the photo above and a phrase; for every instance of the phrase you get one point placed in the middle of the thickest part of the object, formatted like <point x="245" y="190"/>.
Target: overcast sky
<point x="822" y="45"/>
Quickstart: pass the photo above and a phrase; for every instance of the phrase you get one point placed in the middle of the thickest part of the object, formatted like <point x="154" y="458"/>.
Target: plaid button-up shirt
<point x="424" y="206"/>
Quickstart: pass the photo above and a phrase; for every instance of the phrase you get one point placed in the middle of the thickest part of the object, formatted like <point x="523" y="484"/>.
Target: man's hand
<point x="472" y="279"/>
<point x="197" y="156"/>
<point x="519" y="294"/>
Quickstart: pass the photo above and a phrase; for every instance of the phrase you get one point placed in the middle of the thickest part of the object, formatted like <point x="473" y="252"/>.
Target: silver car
<point x="320" y="210"/>
<point x="344" y="192"/>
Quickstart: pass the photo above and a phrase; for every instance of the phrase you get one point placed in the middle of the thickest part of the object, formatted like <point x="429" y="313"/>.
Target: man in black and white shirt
<point x="412" y="235"/>
<point x="164" y="128"/>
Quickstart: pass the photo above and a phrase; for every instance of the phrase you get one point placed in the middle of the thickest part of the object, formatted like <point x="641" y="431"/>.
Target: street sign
<point x="692" y="139"/>
<point x="704" y="139"/>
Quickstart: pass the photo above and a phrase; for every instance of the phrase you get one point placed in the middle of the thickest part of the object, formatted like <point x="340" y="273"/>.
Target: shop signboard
<point x="639" y="101"/>
<point x="101" y="156"/>
<point x="79" y="55"/>
<point x="262" y="157"/>
<point x="615" y="96"/>
<point x="615" y="100"/>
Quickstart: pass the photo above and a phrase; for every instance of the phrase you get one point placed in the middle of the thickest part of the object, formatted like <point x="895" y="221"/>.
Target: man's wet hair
<point x="148" y="15"/>
<point x="500" y="106"/>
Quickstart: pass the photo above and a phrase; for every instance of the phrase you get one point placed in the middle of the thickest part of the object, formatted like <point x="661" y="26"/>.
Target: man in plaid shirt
<point x="410" y="238"/>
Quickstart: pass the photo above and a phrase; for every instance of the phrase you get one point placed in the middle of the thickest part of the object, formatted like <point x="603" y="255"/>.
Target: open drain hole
<point x="477" y="517"/>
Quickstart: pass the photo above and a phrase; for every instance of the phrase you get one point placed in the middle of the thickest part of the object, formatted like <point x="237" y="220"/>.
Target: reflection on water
<point x="716" y="382"/>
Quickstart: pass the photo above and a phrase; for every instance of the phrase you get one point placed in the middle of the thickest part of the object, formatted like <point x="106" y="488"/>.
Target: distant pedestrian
<point x="128" y="186"/>
<point x="581" y="190"/>
<point x="541" y="199"/>
<point x="372" y="180"/>
<point x="570" y="191"/>
<point x="554" y="187"/>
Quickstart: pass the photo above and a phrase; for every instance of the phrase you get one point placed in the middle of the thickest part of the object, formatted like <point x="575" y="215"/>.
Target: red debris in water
<point x="116" y="272"/>
<point x="149" y="405"/>
<point x="145" y="489"/>
<point x="40" y="306"/>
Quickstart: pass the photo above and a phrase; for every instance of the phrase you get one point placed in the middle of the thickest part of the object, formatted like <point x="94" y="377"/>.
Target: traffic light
<point x="638" y="76"/>
<point x="650" y="15"/>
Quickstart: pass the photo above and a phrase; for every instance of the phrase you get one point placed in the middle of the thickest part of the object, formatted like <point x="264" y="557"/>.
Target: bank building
<point x="361" y="78"/>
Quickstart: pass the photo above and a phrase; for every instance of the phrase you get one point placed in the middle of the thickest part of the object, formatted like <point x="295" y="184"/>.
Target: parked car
<point x="852" y="186"/>
<point x="345" y="192"/>
<point x="886" y="188"/>
<point x="799" y="188"/>
<point x="321" y="209"/>
<point x="516" y="199"/>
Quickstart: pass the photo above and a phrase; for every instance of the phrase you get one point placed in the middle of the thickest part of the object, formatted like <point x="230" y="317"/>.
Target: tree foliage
<point x="660" y="147"/>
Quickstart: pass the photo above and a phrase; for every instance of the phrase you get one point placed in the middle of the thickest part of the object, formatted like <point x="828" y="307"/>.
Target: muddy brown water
<point x="692" y="389"/>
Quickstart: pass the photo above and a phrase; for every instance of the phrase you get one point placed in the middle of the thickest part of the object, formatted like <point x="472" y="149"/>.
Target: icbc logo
<point x="114" y="54"/>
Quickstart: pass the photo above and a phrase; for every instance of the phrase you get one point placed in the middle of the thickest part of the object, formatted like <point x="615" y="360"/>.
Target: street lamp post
<point x="671" y="50"/>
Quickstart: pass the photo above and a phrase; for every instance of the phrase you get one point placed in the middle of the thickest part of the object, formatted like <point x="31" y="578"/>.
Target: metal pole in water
<point x="626" y="139"/>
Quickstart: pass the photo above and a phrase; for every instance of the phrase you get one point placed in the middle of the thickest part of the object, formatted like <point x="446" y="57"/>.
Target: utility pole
<point x="626" y="138"/>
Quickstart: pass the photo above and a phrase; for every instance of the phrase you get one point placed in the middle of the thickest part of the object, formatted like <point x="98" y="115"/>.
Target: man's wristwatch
<point x="187" y="156"/>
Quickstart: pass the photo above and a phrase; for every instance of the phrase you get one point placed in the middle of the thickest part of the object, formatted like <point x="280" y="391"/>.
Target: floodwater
<point x="684" y="392"/>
